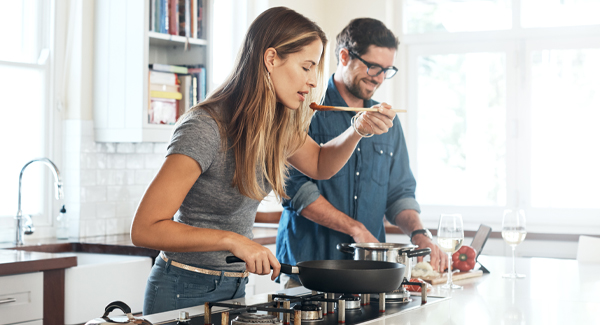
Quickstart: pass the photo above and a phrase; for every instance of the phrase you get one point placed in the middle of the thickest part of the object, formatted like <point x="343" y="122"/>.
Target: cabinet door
<point x="21" y="298"/>
<point x="120" y="47"/>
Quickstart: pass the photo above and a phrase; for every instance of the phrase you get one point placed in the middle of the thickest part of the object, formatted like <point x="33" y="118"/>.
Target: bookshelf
<point x="124" y="47"/>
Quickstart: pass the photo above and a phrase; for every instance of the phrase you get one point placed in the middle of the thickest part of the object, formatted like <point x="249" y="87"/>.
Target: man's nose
<point x="380" y="78"/>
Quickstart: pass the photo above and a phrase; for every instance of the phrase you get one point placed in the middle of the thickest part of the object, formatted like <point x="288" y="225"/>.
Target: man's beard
<point x="355" y="89"/>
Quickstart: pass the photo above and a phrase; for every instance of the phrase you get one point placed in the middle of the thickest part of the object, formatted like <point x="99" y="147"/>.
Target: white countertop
<point x="537" y="299"/>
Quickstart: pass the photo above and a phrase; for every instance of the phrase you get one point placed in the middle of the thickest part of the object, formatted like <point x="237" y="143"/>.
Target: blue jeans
<point x="170" y="288"/>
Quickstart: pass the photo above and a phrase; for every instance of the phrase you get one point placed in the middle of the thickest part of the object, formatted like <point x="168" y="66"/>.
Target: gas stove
<point x="299" y="306"/>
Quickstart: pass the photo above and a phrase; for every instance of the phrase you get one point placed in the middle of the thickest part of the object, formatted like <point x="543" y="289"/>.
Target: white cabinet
<point x="22" y="298"/>
<point x="123" y="49"/>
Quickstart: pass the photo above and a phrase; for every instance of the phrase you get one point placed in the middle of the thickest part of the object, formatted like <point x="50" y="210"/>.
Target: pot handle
<point x="419" y="252"/>
<point x="114" y="305"/>
<point x="285" y="268"/>
<point x="345" y="248"/>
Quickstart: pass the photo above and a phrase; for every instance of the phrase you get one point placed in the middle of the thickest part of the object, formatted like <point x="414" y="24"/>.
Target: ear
<point x="344" y="56"/>
<point x="269" y="58"/>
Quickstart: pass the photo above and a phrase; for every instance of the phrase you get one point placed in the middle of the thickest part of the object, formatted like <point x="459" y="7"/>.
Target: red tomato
<point x="416" y="288"/>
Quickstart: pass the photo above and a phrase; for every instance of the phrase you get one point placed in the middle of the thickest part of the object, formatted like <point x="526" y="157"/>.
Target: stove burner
<point x="352" y="301"/>
<point x="400" y="295"/>
<point x="247" y="318"/>
<point x="309" y="311"/>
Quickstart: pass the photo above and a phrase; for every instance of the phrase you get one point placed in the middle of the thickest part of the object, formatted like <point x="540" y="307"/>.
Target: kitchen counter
<point x="37" y="255"/>
<point x="537" y="299"/>
<point x="491" y="299"/>
<point x="40" y="255"/>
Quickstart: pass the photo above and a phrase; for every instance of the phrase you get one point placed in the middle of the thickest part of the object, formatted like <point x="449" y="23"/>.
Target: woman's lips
<point x="302" y="96"/>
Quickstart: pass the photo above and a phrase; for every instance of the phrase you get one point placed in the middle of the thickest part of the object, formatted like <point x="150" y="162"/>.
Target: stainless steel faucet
<point x="24" y="223"/>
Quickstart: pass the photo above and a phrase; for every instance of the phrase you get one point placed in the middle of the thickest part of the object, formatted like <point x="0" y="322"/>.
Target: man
<point x="376" y="181"/>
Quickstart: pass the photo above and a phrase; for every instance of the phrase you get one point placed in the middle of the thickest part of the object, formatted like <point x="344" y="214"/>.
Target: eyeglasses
<point x="374" y="69"/>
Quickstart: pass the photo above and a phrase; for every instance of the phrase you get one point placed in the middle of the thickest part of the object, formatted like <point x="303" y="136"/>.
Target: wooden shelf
<point x="160" y="39"/>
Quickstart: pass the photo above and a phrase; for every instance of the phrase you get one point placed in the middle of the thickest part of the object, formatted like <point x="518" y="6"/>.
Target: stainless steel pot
<point x="388" y="252"/>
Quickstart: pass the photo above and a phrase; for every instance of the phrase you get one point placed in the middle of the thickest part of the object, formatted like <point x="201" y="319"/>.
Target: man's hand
<point x="438" y="259"/>
<point x="361" y="234"/>
<point x="376" y="122"/>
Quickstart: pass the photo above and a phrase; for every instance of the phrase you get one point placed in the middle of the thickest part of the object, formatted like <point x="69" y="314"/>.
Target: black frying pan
<point x="345" y="276"/>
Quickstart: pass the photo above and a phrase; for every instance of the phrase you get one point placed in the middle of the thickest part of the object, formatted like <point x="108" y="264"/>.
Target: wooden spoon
<point x="317" y="107"/>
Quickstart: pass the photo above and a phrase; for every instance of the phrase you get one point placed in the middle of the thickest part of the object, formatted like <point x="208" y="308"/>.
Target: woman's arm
<point x="322" y="162"/>
<point x="153" y="228"/>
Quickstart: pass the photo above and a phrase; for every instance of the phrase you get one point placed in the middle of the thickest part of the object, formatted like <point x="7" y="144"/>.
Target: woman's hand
<point x="259" y="259"/>
<point x="376" y="122"/>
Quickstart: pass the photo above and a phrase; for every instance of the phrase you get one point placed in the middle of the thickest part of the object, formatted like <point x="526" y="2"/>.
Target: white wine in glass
<point x="450" y="238"/>
<point x="513" y="233"/>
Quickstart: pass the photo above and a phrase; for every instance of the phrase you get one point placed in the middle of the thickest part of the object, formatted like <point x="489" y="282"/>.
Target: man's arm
<point x="325" y="214"/>
<point x="409" y="221"/>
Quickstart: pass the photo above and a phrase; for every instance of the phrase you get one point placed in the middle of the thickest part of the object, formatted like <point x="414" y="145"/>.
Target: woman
<point x="227" y="153"/>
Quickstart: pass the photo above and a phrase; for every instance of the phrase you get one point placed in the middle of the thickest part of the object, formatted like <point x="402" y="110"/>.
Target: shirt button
<point x="358" y="149"/>
<point x="320" y="144"/>
<point x="355" y="197"/>
<point x="391" y="153"/>
<point x="357" y="173"/>
<point x="381" y="151"/>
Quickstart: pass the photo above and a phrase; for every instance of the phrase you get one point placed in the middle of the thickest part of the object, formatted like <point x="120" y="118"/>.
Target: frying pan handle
<point x="285" y="268"/>
<point x="419" y="252"/>
<point x="233" y="259"/>
<point x="289" y="269"/>
<point x="345" y="248"/>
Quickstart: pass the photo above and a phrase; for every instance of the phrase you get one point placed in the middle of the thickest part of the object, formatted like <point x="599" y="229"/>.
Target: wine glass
<point x="450" y="238"/>
<point x="513" y="233"/>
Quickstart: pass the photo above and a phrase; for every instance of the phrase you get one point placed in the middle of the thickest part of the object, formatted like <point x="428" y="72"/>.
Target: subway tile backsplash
<point x="104" y="182"/>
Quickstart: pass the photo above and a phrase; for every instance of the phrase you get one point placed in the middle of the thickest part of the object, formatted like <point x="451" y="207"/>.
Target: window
<point x="25" y="107"/>
<point x="505" y="100"/>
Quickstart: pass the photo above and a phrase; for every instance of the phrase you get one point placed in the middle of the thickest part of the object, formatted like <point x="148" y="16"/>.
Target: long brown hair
<point x="261" y="132"/>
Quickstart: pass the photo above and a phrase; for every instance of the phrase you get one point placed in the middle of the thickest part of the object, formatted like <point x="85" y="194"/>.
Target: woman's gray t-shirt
<point x="212" y="202"/>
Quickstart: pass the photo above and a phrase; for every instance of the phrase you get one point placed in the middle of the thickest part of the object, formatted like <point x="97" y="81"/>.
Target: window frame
<point x="47" y="37"/>
<point x="519" y="43"/>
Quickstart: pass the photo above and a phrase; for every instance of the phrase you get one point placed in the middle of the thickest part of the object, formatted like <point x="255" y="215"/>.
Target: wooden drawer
<point x="21" y="298"/>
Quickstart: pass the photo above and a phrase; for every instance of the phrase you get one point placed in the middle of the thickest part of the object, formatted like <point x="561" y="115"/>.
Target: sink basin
<point x="99" y="279"/>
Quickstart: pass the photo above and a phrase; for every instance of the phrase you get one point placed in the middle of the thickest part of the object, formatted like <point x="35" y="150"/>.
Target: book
<point x="199" y="72"/>
<point x="194" y="18"/>
<point x="164" y="16"/>
<point x="152" y="15"/>
<point x="194" y="89"/>
<point x="173" y="17"/>
<point x="199" y="22"/>
<point x="165" y="94"/>
<point x="185" y="87"/>
<point x="162" y="78"/>
<point x="169" y="68"/>
<point x="159" y="87"/>
<point x="162" y="111"/>
<point x="184" y="18"/>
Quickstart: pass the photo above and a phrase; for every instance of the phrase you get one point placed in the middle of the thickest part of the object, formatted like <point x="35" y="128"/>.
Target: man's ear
<point x="344" y="56"/>
<point x="269" y="58"/>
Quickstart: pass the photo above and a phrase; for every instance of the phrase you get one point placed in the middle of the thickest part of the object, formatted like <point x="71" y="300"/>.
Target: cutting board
<point x="455" y="277"/>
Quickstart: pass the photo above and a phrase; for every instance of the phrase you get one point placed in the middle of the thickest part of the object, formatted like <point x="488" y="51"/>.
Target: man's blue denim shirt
<point x="376" y="181"/>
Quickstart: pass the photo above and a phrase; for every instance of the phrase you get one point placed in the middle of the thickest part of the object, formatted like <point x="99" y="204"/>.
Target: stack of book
<point x="173" y="91"/>
<point x="178" y="17"/>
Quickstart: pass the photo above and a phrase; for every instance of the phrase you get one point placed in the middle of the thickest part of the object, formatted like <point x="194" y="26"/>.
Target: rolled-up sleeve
<point x="306" y="194"/>
<point x="400" y="205"/>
